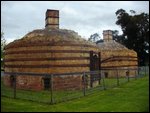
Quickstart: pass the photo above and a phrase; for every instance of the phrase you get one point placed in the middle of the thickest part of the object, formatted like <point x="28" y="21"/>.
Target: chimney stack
<point x="107" y="35"/>
<point x="52" y="19"/>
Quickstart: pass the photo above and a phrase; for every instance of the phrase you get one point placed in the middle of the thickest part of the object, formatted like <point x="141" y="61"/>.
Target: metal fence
<point x="67" y="86"/>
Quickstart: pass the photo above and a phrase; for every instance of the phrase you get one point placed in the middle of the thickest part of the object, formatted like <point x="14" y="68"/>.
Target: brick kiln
<point x="50" y="50"/>
<point x="115" y="55"/>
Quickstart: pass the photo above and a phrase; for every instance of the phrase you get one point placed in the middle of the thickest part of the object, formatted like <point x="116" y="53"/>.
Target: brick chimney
<point x="107" y="35"/>
<point x="52" y="19"/>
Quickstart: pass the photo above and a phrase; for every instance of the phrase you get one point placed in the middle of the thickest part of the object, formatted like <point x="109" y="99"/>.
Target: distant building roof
<point x="108" y="43"/>
<point x="111" y="45"/>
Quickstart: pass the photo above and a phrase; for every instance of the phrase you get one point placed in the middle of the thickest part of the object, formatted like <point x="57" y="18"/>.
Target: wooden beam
<point x="47" y="66"/>
<point x="49" y="44"/>
<point x="106" y="67"/>
<point x="45" y="51"/>
<point x="46" y="59"/>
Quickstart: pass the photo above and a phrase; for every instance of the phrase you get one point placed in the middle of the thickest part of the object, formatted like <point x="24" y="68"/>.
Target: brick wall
<point x="37" y="82"/>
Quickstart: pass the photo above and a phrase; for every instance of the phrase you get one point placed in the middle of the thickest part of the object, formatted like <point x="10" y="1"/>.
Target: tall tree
<point x="94" y="37"/>
<point x="3" y="43"/>
<point x="135" y="29"/>
<point x="117" y="37"/>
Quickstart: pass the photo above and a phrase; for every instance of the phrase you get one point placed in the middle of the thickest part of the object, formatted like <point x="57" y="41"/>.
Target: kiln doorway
<point x="46" y="83"/>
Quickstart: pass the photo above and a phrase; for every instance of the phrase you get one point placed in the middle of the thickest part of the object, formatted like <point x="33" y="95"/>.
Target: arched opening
<point x="94" y="66"/>
<point x="12" y="79"/>
<point x="106" y="74"/>
<point x="46" y="83"/>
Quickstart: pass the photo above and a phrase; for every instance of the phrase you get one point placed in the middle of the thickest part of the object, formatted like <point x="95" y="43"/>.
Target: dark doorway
<point x="106" y="75"/>
<point x="94" y="61"/>
<point x="12" y="80"/>
<point x="94" y="66"/>
<point x="46" y="83"/>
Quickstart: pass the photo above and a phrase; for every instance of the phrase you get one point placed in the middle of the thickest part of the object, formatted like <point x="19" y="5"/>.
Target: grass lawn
<point x="44" y="96"/>
<point x="58" y="96"/>
<point x="132" y="96"/>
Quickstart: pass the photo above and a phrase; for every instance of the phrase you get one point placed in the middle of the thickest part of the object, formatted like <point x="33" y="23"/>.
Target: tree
<point x="94" y="37"/>
<point x="117" y="37"/>
<point x="3" y="44"/>
<point x="135" y="29"/>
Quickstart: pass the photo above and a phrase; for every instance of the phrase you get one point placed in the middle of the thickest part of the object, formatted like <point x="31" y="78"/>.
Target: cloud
<point x="84" y="17"/>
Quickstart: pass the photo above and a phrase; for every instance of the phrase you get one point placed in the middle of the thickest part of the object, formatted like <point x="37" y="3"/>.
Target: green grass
<point x="58" y="96"/>
<point x="132" y="96"/>
<point x="40" y="96"/>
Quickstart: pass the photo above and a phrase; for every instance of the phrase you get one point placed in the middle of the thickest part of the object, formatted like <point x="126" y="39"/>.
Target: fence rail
<point x="54" y="88"/>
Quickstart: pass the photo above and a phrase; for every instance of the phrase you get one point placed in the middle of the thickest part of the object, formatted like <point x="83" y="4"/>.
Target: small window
<point x="95" y="56"/>
<point x="106" y="74"/>
<point x="46" y="83"/>
<point x="127" y="73"/>
<point x="12" y="78"/>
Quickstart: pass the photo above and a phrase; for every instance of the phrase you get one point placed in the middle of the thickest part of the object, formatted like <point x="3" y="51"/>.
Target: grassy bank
<point x="58" y="96"/>
<point x="132" y="96"/>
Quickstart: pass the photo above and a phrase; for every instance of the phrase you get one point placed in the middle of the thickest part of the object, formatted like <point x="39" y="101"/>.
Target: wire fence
<point x="55" y="88"/>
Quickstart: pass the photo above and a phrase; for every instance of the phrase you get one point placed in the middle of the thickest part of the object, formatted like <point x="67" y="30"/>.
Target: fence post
<point x="127" y="74"/>
<point x="14" y="85"/>
<point x="99" y="77"/>
<point x="103" y="81"/>
<point x="117" y="78"/>
<point x="135" y="75"/>
<point x="139" y="71"/>
<point x="84" y="88"/>
<point x="51" y="83"/>
<point x="128" y="79"/>
<point x="145" y="70"/>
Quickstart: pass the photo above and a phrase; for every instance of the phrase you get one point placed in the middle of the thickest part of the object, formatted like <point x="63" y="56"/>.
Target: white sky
<point x="85" y="17"/>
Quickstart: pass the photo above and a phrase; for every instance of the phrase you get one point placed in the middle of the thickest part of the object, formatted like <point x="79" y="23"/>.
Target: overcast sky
<point x="85" y="17"/>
